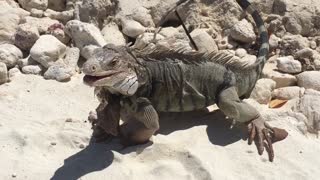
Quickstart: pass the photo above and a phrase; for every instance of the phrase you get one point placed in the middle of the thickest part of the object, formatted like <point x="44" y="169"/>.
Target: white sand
<point x="33" y="115"/>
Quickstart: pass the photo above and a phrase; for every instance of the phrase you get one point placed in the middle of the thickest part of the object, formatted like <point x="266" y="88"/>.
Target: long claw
<point x="252" y="134"/>
<point x="270" y="147"/>
<point x="260" y="142"/>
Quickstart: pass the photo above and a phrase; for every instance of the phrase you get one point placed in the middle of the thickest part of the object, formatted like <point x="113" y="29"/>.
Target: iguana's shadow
<point x="218" y="127"/>
<point x="95" y="157"/>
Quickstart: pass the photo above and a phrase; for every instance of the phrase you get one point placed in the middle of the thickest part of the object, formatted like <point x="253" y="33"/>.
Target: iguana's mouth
<point x="91" y="79"/>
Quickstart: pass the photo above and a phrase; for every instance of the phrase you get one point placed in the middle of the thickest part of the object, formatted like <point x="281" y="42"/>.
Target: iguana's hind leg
<point x="230" y="104"/>
<point x="140" y="124"/>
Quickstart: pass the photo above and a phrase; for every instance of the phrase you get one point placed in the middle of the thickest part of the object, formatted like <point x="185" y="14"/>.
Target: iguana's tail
<point x="263" y="34"/>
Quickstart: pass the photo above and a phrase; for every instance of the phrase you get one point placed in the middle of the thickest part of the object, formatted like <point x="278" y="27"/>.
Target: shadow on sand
<point x="96" y="157"/>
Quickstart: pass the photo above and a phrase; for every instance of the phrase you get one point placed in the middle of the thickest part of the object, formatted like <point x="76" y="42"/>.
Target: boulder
<point x="132" y="28"/>
<point x="288" y="64"/>
<point x="9" y="54"/>
<point x="262" y="90"/>
<point x="112" y="34"/>
<point x="309" y="80"/>
<point x="243" y="31"/>
<point x="26" y="36"/>
<point x="204" y="41"/>
<point x="287" y="93"/>
<point x="47" y="50"/>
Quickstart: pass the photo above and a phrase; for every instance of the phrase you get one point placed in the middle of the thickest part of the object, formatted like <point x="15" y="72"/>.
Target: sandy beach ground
<point x="44" y="134"/>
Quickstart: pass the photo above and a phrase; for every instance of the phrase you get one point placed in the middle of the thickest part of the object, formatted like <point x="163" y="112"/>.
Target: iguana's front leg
<point x="259" y="130"/>
<point x="140" y="124"/>
<point x="106" y="121"/>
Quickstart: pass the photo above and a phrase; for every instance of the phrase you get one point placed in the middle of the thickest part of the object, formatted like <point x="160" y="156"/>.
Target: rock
<point x="282" y="80"/>
<point x="57" y="5"/>
<point x="145" y="39"/>
<point x="26" y="36"/>
<point x="203" y="40"/>
<point x="112" y="34"/>
<point x="95" y="11"/>
<point x="309" y="105"/>
<point x="13" y="72"/>
<point x="304" y="53"/>
<point x="142" y="15"/>
<point x="265" y="6"/>
<point x="32" y="69"/>
<point x="72" y="57"/>
<point x="287" y="93"/>
<point x="9" y="54"/>
<point x="57" y="30"/>
<point x="240" y="52"/>
<point x="9" y="20"/>
<point x="47" y="50"/>
<point x="309" y="80"/>
<point x="274" y="41"/>
<point x="288" y="64"/>
<point x="262" y="90"/>
<point x="14" y="175"/>
<point x="41" y="23"/>
<point x="59" y="73"/>
<point x="290" y="44"/>
<point x="169" y="32"/>
<point x="243" y="31"/>
<point x="36" y="13"/>
<point x="26" y="61"/>
<point x="53" y="143"/>
<point x="313" y="45"/>
<point x="248" y="59"/>
<point x="132" y="28"/>
<point x="84" y="34"/>
<point x="3" y="73"/>
<point x="37" y="4"/>
<point x="317" y="64"/>
<point x="88" y="51"/>
<point x="63" y="16"/>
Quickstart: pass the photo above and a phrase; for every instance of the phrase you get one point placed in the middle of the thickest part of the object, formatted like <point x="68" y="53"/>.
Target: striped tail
<point x="263" y="34"/>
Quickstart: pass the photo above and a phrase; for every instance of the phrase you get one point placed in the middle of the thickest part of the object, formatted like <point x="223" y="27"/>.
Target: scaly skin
<point x="137" y="86"/>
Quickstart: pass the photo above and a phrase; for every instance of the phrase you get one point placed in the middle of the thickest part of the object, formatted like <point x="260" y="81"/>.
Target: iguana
<point x="137" y="86"/>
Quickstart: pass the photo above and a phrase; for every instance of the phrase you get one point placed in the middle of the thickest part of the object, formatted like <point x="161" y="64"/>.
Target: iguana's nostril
<point x="93" y="68"/>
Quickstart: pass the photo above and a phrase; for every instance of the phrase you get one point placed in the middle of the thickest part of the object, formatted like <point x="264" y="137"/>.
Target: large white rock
<point x="26" y="36"/>
<point x="243" y="32"/>
<point x="84" y="34"/>
<point x="288" y="64"/>
<point x="132" y="28"/>
<point x="262" y="90"/>
<point x="287" y="93"/>
<point x="47" y="50"/>
<point x="10" y="17"/>
<point x="309" y="80"/>
<point x="3" y="73"/>
<point x="112" y="34"/>
<point x="309" y="105"/>
<point x="9" y="54"/>
<point x="281" y="79"/>
<point x="203" y="40"/>
<point x="37" y="4"/>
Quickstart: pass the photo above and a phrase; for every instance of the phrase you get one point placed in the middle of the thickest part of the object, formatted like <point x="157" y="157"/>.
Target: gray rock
<point x="274" y="41"/>
<point x="132" y="28"/>
<point x="203" y="40"/>
<point x="57" y="5"/>
<point x="281" y="79"/>
<point x="37" y="4"/>
<point x="112" y="34"/>
<point x="304" y="53"/>
<point x="288" y="64"/>
<point x="142" y="15"/>
<point x="26" y="36"/>
<point x="309" y="80"/>
<point x="243" y="31"/>
<point x="47" y="50"/>
<point x="72" y="58"/>
<point x="287" y="93"/>
<point x="169" y="32"/>
<point x="9" y="54"/>
<point x="3" y="73"/>
<point x="88" y="51"/>
<point x="145" y="39"/>
<point x="290" y="44"/>
<point x="59" y="73"/>
<point x="32" y="69"/>
<point x="262" y="90"/>
<point x="36" y="13"/>
<point x="313" y="45"/>
<point x="26" y="61"/>
<point x="63" y="16"/>
<point x="84" y="34"/>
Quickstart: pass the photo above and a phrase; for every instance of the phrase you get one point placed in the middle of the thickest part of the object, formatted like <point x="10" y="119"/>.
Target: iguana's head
<point x="111" y="67"/>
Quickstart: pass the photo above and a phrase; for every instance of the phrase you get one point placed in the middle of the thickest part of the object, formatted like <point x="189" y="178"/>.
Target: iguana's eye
<point x="113" y="62"/>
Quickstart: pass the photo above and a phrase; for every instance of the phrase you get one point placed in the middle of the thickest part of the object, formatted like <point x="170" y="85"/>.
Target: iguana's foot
<point x="264" y="135"/>
<point x="100" y="135"/>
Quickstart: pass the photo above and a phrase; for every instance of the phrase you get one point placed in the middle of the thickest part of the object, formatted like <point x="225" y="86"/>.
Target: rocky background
<point x="52" y="38"/>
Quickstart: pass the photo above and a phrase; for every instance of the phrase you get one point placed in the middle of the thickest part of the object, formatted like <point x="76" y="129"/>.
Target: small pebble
<point x="69" y="120"/>
<point x="81" y="146"/>
<point x="14" y="175"/>
<point x="53" y="143"/>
